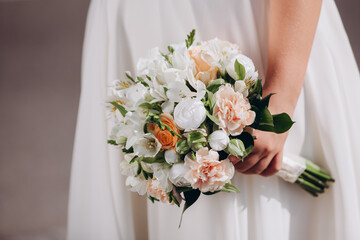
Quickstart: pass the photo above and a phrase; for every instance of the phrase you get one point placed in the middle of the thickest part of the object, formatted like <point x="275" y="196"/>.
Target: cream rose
<point x="189" y="113"/>
<point x="207" y="173"/>
<point x="233" y="110"/>
<point x="204" y="72"/>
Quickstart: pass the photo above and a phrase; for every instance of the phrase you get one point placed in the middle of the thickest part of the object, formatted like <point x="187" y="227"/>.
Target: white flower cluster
<point x="182" y="109"/>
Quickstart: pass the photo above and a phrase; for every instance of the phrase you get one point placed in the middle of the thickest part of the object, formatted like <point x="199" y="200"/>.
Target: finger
<point x="274" y="166"/>
<point x="260" y="166"/>
<point x="248" y="162"/>
<point x="234" y="160"/>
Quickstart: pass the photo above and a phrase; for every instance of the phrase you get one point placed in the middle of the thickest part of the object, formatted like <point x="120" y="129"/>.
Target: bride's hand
<point x="266" y="157"/>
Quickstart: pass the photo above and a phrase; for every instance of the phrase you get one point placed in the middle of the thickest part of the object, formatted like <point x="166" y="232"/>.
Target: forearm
<point x="291" y="33"/>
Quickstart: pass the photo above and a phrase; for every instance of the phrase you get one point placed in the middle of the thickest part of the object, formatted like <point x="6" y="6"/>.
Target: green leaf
<point x="119" y="107"/>
<point x="210" y="193"/>
<point x="265" y="101"/>
<point x="142" y="81"/>
<point x="130" y="150"/>
<point x="190" y="38"/>
<point x="212" y="117"/>
<point x="172" y="198"/>
<point x="240" y="70"/>
<point x="172" y="131"/>
<point x="139" y="168"/>
<point x="211" y="100"/>
<point x="182" y="146"/>
<point x="236" y="147"/>
<point x="248" y="141"/>
<point x="282" y="123"/>
<point x="152" y="199"/>
<point x="153" y="160"/>
<point x="215" y="85"/>
<point x="190" y="198"/>
<point x="228" y="187"/>
<point x="135" y="158"/>
<point x="112" y="142"/>
<point x="263" y="116"/>
<point x="193" y="156"/>
<point x="129" y="77"/>
<point x="171" y="49"/>
<point x="183" y="189"/>
<point x="255" y="92"/>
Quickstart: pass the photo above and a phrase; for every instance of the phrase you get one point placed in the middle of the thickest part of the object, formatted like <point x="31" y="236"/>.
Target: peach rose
<point x="207" y="173"/>
<point x="166" y="139"/>
<point x="233" y="110"/>
<point x="154" y="189"/>
<point x="204" y="72"/>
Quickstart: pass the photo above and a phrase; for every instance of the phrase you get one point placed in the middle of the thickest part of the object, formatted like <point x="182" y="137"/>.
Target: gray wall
<point x="40" y="55"/>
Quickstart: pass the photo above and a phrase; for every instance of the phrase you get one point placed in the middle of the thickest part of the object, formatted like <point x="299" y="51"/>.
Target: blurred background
<point x="40" y="63"/>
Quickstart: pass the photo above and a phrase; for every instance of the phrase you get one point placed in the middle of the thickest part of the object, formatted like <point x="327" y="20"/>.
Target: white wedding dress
<point x="326" y="130"/>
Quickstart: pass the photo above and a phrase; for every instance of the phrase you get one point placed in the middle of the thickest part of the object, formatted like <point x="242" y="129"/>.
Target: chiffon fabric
<point x="326" y="130"/>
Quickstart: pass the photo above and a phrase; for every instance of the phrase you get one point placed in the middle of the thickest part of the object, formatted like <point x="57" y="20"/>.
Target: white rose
<point x="177" y="174"/>
<point x="250" y="72"/>
<point x="189" y="114"/>
<point x="218" y="140"/>
<point x="171" y="156"/>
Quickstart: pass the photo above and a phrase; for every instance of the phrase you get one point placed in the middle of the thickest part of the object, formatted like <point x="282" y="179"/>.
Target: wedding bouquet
<point x="185" y="112"/>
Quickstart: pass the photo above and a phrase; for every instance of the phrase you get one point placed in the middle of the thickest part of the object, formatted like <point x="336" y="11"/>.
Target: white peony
<point x="189" y="114"/>
<point x="250" y="72"/>
<point x="218" y="140"/>
<point x="177" y="174"/>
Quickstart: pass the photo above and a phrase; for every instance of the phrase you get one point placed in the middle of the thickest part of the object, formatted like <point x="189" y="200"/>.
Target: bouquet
<point x="185" y="112"/>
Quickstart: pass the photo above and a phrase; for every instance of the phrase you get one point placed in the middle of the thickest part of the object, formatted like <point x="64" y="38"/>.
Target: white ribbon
<point x="292" y="167"/>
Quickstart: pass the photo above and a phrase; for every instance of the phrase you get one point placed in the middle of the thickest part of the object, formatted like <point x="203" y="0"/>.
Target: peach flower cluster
<point x="154" y="189"/>
<point x="233" y="110"/>
<point x="207" y="173"/>
<point x="166" y="139"/>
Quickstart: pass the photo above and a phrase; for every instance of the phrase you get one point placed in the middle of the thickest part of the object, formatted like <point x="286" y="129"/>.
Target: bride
<point x="301" y="51"/>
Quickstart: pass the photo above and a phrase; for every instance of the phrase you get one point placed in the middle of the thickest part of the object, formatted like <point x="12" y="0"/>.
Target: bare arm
<point x="291" y="34"/>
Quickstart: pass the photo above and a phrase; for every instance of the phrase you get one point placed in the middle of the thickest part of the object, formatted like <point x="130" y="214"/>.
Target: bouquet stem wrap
<point x="306" y="174"/>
